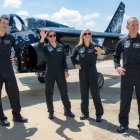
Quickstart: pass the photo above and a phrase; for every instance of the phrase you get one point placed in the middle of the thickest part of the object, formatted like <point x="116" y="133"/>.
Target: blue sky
<point x="92" y="14"/>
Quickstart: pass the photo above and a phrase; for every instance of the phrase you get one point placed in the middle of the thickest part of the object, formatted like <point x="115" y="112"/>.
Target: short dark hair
<point x="4" y="17"/>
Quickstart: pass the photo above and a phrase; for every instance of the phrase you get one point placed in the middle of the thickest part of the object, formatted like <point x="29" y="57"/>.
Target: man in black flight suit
<point x="129" y="72"/>
<point x="7" y="74"/>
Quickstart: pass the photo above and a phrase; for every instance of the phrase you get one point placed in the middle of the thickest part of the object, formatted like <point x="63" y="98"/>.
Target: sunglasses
<point x="50" y="36"/>
<point x="86" y="34"/>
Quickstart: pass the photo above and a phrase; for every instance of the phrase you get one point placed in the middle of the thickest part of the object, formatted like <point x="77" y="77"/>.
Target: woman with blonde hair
<point x="87" y="52"/>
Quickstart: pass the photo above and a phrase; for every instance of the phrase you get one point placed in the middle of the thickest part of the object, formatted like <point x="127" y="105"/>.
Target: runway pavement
<point x="40" y="127"/>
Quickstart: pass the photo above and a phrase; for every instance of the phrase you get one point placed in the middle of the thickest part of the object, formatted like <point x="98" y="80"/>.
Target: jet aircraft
<point x="27" y="37"/>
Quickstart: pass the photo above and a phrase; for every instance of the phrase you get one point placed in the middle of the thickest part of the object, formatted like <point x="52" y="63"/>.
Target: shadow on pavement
<point x="108" y="126"/>
<point x="70" y="123"/>
<point x="17" y="132"/>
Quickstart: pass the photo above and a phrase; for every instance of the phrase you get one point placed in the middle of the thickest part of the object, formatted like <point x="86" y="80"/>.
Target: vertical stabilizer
<point x="116" y="21"/>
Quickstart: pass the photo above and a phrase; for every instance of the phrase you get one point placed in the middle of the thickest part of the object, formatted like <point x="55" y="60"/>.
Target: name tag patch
<point x="90" y="50"/>
<point x="6" y="42"/>
<point x="136" y="45"/>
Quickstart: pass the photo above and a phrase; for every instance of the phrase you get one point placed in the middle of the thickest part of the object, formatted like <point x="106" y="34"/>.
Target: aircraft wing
<point x="71" y="36"/>
<point x="72" y="32"/>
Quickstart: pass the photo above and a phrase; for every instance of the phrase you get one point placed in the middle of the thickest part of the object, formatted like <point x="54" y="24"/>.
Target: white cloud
<point x="42" y="16"/>
<point x="71" y="18"/>
<point x="22" y="13"/>
<point x="109" y="17"/>
<point x="12" y="3"/>
<point x="90" y="24"/>
<point x="67" y="16"/>
<point x="91" y="16"/>
<point x="126" y="17"/>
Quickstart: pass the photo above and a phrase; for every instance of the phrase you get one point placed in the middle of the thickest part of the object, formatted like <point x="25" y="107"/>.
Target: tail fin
<point x="116" y="22"/>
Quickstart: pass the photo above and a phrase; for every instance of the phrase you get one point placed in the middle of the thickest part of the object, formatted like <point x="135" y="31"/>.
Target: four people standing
<point x="57" y="71"/>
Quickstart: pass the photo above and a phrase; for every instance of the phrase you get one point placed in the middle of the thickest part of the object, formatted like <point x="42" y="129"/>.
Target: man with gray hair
<point x="129" y="72"/>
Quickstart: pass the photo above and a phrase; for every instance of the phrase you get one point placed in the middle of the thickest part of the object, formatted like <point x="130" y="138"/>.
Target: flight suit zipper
<point x="133" y="62"/>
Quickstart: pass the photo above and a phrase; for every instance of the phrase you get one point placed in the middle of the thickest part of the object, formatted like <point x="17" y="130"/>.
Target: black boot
<point x="69" y="114"/>
<point x="4" y="122"/>
<point x="51" y="116"/>
<point x="98" y="119"/>
<point x="83" y="117"/>
<point x="122" y="129"/>
<point x="19" y="118"/>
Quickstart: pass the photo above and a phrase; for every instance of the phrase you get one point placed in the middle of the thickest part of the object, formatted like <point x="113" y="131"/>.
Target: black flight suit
<point x="7" y="75"/>
<point x="130" y="47"/>
<point x="88" y="78"/>
<point x="56" y="66"/>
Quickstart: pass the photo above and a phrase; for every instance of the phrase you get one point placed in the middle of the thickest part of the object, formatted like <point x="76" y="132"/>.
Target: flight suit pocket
<point x="127" y="56"/>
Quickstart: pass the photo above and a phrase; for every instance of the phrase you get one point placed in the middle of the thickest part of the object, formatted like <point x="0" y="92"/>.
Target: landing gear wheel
<point x="41" y="76"/>
<point x="41" y="79"/>
<point x="138" y="126"/>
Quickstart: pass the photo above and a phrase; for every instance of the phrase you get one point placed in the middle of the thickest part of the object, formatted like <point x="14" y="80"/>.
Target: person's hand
<point x="66" y="74"/>
<point x="98" y="50"/>
<point x="43" y="34"/>
<point x="78" y="66"/>
<point x="120" y="71"/>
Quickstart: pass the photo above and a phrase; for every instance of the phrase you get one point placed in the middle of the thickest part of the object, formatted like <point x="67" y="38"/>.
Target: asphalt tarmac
<point x="40" y="127"/>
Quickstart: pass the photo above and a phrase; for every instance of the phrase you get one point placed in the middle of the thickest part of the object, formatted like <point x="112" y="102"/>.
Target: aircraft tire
<point x="41" y="79"/>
